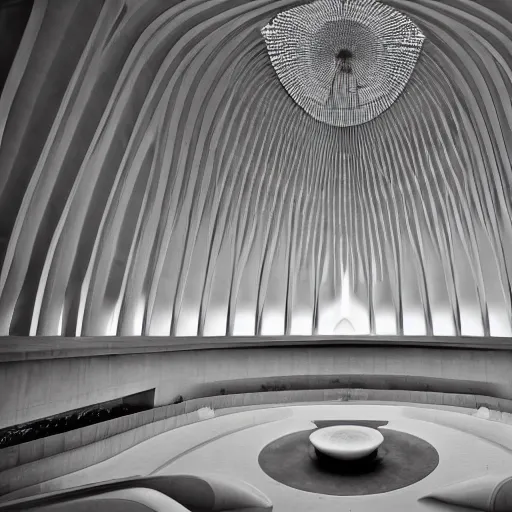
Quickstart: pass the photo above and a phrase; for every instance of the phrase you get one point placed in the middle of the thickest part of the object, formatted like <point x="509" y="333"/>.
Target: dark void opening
<point x="77" y="418"/>
<point x="14" y="15"/>
<point x="344" y="58"/>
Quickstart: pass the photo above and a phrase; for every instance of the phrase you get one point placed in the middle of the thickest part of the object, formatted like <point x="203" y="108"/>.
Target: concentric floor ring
<point x="402" y="460"/>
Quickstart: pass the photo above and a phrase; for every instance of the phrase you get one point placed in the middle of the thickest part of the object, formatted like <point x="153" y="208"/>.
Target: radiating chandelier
<point x="343" y="61"/>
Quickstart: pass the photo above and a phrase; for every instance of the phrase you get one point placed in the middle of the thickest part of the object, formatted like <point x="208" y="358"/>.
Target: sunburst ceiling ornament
<point x="343" y="61"/>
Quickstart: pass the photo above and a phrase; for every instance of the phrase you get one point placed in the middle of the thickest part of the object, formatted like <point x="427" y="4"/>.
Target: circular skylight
<point x="343" y="61"/>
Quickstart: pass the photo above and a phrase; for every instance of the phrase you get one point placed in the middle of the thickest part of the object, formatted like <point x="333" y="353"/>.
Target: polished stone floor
<point x="231" y="444"/>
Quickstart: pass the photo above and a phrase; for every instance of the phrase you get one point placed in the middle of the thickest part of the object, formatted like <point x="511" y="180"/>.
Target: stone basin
<point x="346" y="442"/>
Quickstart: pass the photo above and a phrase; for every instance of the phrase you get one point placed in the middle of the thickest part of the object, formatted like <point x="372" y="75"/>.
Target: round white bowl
<point x="346" y="442"/>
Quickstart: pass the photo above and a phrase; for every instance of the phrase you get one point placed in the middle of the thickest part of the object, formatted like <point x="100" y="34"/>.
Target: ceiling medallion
<point x="343" y="61"/>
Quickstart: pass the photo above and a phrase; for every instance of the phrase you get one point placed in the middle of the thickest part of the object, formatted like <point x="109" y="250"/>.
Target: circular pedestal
<point x="402" y="460"/>
<point x="346" y="442"/>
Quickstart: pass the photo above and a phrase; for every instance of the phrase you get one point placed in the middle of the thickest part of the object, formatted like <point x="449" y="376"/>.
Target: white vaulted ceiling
<point x="156" y="178"/>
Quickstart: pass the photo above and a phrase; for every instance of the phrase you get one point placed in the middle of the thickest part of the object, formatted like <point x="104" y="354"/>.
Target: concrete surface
<point x="45" y="387"/>
<point x="227" y="446"/>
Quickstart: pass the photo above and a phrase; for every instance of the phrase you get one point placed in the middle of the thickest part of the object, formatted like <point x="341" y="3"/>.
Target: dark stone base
<point x="401" y="460"/>
<point x="341" y="467"/>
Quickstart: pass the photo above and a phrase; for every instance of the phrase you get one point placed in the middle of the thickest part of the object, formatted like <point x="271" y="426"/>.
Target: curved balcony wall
<point x="45" y="381"/>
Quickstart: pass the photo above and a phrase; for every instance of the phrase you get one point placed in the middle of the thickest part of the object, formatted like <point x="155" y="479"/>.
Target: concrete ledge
<point x="490" y="493"/>
<point x="46" y="387"/>
<point x="69" y="461"/>
<point x="205" y="492"/>
<point x="52" y="445"/>
<point x="20" y="348"/>
<point x="133" y="499"/>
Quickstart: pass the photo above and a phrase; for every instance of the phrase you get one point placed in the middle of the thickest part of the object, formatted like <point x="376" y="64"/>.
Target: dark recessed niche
<point x="344" y="54"/>
<point x="14" y="15"/>
<point x="77" y="418"/>
<point x="344" y="58"/>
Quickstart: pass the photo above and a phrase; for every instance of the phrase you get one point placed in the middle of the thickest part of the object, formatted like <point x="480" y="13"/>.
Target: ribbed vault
<point x="156" y="178"/>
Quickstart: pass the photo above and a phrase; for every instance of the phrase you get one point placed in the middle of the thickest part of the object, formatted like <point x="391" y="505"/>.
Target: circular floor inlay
<point x="402" y="460"/>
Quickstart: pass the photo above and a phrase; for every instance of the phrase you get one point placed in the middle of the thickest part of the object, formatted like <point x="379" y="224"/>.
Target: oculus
<point x="343" y="61"/>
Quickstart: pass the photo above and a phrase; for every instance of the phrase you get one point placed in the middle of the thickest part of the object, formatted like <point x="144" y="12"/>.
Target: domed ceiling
<point x="258" y="168"/>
